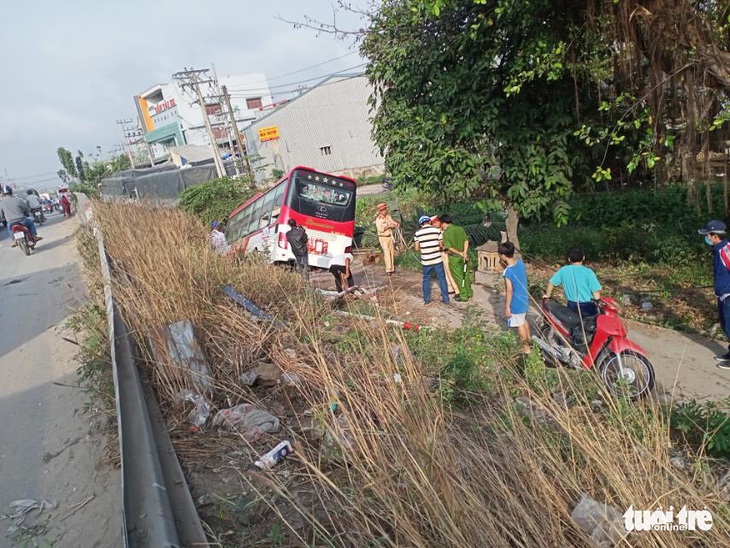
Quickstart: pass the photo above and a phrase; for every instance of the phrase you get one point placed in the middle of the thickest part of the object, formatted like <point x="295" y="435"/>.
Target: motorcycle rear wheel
<point x="24" y="246"/>
<point x="637" y="380"/>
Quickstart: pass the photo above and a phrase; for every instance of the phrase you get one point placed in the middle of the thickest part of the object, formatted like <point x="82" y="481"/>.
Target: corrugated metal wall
<point x="334" y="114"/>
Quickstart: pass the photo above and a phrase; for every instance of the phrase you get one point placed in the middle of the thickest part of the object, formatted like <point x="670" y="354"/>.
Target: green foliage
<point x="446" y="112"/>
<point x="95" y="370"/>
<point x="214" y="200"/>
<point x="119" y="163"/>
<point x="370" y="180"/>
<point x="405" y="205"/>
<point x="638" y="225"/>
<point x="464" y="359"/>
<point x="705" y="426"/>
<point x="90" y="189"/>
<point x="67" y="161"/>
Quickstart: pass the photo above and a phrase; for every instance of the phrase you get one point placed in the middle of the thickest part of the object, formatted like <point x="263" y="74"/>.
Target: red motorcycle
<point x="597" y="342"/>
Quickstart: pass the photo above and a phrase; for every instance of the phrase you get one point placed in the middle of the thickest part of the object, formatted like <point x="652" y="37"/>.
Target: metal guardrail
<point x="158" y="510"/>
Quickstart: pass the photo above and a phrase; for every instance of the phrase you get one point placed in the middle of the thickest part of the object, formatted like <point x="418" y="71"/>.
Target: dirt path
<point x="47" y="450"/>
<point x="684" y="364"/>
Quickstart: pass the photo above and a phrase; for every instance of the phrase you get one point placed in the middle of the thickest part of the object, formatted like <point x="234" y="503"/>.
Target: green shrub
<point x="705" y="426"/>
<point x="214" y="200"/>
<point x="637" y="225"/>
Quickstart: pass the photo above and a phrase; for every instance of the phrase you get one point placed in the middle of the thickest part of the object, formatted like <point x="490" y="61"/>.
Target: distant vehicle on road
<point x="322" y="203"/>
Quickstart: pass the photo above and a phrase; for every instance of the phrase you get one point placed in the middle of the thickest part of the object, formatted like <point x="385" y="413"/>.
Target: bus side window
<point x="253" y="225"/>
<point x="242" y="223"/>
<point x="278" y="196"/>
<point x="266" y="208"/>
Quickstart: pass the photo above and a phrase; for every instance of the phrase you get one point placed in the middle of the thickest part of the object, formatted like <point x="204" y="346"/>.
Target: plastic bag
<point x="601" y="522"/>
<point x="246" y="419"/>
<point x="200" y="414"/>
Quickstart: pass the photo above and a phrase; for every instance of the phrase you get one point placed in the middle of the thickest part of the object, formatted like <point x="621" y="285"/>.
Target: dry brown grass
<point x="407" y="469"/>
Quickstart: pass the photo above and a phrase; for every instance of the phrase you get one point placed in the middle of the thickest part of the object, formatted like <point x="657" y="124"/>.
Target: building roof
<point x="338" y="77"/>
<point x="151" y="90"/>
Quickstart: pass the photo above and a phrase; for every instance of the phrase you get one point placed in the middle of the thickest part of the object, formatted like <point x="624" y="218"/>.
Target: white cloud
<point x="73" y="67"/>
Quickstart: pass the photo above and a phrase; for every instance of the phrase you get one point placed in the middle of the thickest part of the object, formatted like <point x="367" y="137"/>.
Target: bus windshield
<point x="322" y="196"/>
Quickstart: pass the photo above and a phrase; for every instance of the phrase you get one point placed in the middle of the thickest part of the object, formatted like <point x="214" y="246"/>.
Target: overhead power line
<point x="299" y="89"/>
<point x="312" y="66"/>
<point x="289" y="84"/>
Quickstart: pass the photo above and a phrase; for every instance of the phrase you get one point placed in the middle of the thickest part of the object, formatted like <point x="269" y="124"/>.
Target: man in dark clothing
<point x="16" y="210"/>
<point x="297" y="238"/>
<point x="715" y="236"/>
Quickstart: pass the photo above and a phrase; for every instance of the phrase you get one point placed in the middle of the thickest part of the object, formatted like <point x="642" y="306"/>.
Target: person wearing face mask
<point x="715" y="236"/>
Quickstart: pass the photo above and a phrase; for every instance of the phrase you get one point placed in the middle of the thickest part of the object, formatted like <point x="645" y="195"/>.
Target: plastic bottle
<point x="275" y="455"/>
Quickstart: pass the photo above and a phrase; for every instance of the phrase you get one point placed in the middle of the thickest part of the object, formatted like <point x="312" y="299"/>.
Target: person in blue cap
<point x="430" y="242"/>
<point x="715" y="236"/>
<point x="218" y="239"/>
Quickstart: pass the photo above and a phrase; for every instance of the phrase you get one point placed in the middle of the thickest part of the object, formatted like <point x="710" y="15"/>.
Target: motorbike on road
<point x="596" y="342"/>
<point x="38" y="215"/>
<point x="23" y="237"/>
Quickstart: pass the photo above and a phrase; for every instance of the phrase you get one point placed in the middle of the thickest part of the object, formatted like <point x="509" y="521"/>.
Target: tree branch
<point x="332" y="28"/>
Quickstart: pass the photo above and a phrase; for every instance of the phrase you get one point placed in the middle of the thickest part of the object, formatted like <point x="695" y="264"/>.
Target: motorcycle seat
<point x="569" y="318"/>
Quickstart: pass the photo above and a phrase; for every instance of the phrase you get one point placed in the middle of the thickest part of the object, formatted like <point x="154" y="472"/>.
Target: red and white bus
<point x="322" y="203"/>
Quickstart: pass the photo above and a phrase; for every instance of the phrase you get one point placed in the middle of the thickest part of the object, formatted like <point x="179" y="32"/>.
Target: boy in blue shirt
<point x="517" y="298"/>
<point x="579" y="282"/>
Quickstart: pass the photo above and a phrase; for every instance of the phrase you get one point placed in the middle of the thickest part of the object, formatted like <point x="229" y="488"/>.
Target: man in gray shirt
<point x="16" y="210"/>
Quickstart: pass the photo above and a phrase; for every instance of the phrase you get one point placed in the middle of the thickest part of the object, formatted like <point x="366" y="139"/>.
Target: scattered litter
<point x="678" y="462"/>
<point x="200" y="414"/>
<point x="397" y="378"/>
<point x="354" y="291"/>
<point x="249" y="377"/>
<point x="397" y="323"/>
<point x="647" y="306"/>
<point x="265" y="374"/>
<point x="290" y="353"/>
<point x="291" y="379"/>
<point x="204" y="500"/>
<point x="602" y="523"/>
<point x="246" y="419"/>
<point x="20" y="510"/>
<point x="248" y="305"/>
<point x="275" y="455"/>
<point x="334" y="398"/>
<point x="335" y="443"/>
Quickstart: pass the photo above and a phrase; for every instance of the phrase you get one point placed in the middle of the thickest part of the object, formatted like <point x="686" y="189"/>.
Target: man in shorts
<point x="517" y="297"/>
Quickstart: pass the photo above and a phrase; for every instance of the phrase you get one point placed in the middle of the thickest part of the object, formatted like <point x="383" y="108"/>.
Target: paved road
<point x="46" y="449"/>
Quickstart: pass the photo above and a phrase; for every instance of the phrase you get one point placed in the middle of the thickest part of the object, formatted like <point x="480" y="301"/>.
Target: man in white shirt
<point x="218" y="239"/>
<point x="340" y="268"/>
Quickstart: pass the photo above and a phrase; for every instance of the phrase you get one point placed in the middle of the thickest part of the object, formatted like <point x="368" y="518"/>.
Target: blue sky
<point x="70" y="68"/>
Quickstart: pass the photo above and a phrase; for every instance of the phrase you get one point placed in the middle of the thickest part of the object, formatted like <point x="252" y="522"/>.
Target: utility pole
<point x="239" y="145"/>
<point x="191" y="78"/>
<point x="125" y="125"/>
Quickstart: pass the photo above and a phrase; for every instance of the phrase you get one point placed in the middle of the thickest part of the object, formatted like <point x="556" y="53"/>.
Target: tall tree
<point x="473" y="99"/>
<point x="67" y="161"/>
<point x="80" y="166"/>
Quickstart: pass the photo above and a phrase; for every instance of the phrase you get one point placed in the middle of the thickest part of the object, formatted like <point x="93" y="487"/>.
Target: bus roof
<point x="307" y="168"/>
<point x="286" y="176"/>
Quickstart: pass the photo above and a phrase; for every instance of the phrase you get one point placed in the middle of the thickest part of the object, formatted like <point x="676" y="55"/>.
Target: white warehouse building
<point x="327" y="128"/>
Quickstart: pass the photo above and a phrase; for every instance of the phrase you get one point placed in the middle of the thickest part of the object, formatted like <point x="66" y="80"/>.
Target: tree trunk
<point x="513" y="220"/>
